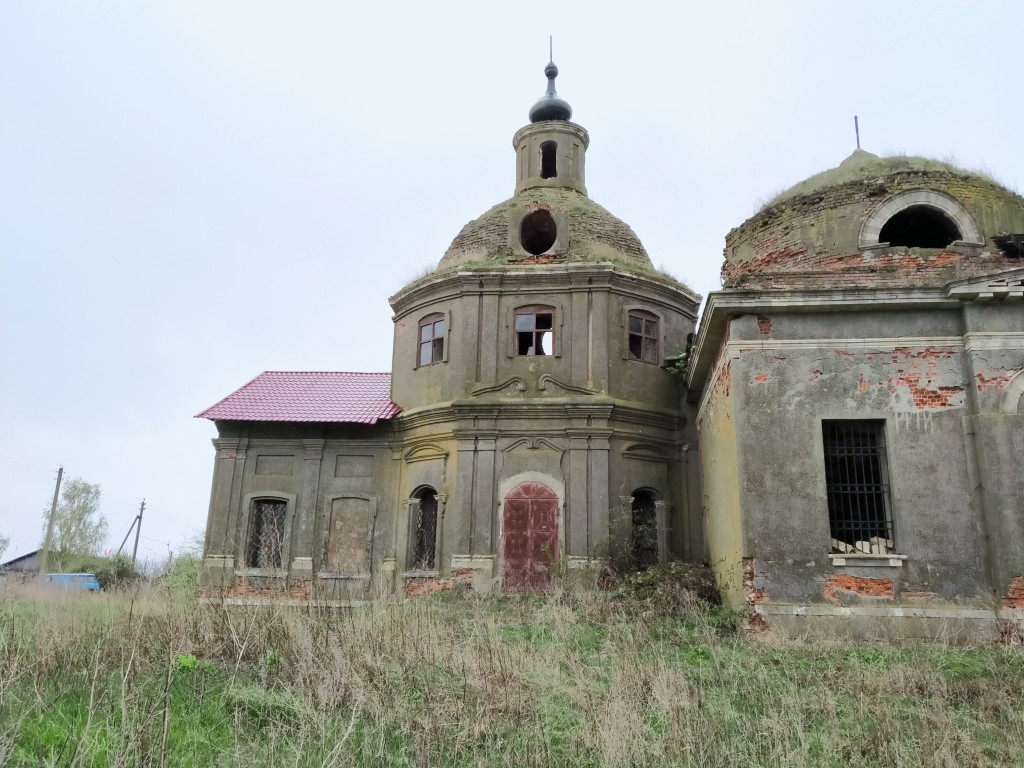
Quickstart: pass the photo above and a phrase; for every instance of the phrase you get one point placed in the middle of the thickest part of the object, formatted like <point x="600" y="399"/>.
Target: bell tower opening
<point x="548" y="163"/>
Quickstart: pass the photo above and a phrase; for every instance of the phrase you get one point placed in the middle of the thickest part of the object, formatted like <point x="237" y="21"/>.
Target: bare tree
<point x="78" y="526"/>
<point x="4" y="544"/>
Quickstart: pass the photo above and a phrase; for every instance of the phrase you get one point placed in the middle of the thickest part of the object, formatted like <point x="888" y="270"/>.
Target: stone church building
<point x="841" y="440"/>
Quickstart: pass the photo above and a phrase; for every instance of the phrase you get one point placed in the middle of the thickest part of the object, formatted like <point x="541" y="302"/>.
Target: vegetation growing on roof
<point x="868" y="166"/>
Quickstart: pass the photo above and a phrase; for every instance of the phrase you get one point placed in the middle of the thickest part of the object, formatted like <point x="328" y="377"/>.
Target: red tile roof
<point x="361" y="398"/>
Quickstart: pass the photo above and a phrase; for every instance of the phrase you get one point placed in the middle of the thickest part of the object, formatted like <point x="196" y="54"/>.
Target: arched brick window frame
<point x="931" y="198"/>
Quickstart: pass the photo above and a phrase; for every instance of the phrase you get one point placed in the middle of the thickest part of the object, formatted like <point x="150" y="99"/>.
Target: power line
<point x="18" y="456"/>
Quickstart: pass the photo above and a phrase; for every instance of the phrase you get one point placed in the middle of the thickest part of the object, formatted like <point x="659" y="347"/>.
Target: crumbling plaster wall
<point x="310" y="466"/>
<point x="792" y="371"/>
<point x="994" y="362"/>
<point x="808" y="240"/>
<point x="721" y="473"/>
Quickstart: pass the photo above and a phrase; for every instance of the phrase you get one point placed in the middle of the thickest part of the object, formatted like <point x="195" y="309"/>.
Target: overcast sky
<point x="194" y="192"/>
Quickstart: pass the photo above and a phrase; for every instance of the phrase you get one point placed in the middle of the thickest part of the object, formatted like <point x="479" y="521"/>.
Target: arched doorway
<point x="644" y="547"/>
<point x="530" y="525"/>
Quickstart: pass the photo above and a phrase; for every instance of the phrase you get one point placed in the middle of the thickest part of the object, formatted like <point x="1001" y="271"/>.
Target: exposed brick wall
<point x="593" y="231"/>
<point x="1014" y="594"/>
<point x="840" y="585"/>
<point x="918" y="371"/>
<point x="997" y="381"/>
<point x="298" y="589"/>
<point x="461" y="579"/>
<point x="808" y="240"/>
<point x="753" y="594"/>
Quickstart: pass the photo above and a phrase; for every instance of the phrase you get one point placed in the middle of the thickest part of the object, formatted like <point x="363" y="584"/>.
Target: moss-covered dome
<point x="875" y="220"/>
<point x="864" y="166"/>
<point x="593" y="234"/>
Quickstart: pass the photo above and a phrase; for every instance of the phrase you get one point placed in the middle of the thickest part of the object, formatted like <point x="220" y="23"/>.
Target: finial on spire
<point x="856" y="128"/>
<point x="550" y="106"/>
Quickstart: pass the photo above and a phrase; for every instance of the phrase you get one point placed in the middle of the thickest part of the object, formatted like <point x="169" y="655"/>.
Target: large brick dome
<point x="593" y="234"/>
<point x="876" y="220"/>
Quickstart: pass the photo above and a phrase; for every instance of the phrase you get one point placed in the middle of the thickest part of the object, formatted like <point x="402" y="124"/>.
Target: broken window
<point x="857" y="485"/>
<point x="920" y="226"/>
<point x="424" y="530"/>
<point x="538" y="232"/>
<point x="548" y="167"/>
<point x="643" y="336"/>
<point x="266" y="533"/>
<point x="645" y="531"/>
<point x="431" y="344"/>
<point x="535" y="331"/>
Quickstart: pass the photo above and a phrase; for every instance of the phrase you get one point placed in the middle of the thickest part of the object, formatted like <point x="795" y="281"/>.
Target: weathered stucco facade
<point x="538" y="432"/>
<point x="843" y="446"/>
<point x="858" y="385"/>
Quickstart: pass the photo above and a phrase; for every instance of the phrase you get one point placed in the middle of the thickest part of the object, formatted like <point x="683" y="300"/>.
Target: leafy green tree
<point x="78" y="526"/>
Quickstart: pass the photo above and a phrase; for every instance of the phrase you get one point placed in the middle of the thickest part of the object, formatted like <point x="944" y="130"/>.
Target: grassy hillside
<point x="601" y="679"/>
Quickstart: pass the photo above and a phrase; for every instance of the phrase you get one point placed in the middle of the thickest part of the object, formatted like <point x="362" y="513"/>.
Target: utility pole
<point x="44" y="556"/>
<point x="138" y="530"/>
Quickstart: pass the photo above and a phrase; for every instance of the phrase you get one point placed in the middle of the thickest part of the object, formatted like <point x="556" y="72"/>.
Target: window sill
<point x="421" y="574"/>
<point x="265" y="572"/>
<point x="340" y="575"/>
<point x="869" y="561"/>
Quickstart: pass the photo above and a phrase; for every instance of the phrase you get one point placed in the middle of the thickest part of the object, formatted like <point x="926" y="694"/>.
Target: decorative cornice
<point x="570" y="277"/>
<point x="547" y="378"/>
<point x="519" y="384"/>
<point x="532" y="443"/>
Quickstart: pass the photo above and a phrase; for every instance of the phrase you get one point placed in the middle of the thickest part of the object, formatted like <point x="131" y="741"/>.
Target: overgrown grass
<point x="631" y="677"/>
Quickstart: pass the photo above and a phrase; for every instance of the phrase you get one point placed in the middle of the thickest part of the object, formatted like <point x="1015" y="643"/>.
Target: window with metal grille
<point x="424" y="531"/>
<point x="645" y="531"/>
<point x="535" y="331"/>
<point x="266" y="533"/>
<point x="643" y="336"/>
<point x="857" y="484"/>
<point x="431" y="345"/>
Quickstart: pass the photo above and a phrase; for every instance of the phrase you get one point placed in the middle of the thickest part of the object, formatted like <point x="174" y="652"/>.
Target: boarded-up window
<point x="348" y="536"/>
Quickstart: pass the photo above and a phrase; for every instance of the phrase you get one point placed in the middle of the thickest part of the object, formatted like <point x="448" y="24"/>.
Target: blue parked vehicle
<point x="86" y="581"/>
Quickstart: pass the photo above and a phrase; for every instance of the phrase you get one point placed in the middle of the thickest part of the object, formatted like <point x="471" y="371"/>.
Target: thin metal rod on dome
<point x="551" y="47"/>
<point x="856" y="128"/>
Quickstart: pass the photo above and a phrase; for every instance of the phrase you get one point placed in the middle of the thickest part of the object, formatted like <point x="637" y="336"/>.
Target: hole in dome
<point x="538" y="232"/>
<point x="548" y="165"/>
<point x="920" y="226"/>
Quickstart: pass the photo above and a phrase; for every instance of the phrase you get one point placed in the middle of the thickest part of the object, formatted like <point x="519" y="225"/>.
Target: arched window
<point x="645" y="530"/>
<point x="266" y="533"/>
<point x="919" y="218"/>
<point x="920" y="226"/>
<point x="423" y="549"/>
<point x="643" y="336"/>
<point x="535" y="330"/>
<point x="433" y="329"/>
<point x="548" y="162"/>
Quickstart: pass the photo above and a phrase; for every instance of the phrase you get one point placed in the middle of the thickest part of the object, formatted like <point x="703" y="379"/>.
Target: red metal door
<point x="531" y="538"/>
